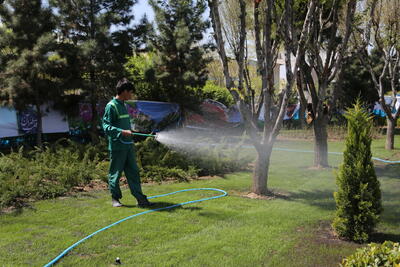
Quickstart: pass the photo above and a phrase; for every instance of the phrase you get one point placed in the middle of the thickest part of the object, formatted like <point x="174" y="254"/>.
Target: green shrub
<point x="386" y="254"/>
<point x="158" y="174"/>
<point x="358" y="200"/>
<point x="48" y="173"/>
<point x="140" y="69"/>
<point x="54" y="171"/>
<point x="217" y="93"/>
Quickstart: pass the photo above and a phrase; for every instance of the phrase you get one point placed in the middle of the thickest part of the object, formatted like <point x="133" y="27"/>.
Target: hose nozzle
<point x="142" y="134"/>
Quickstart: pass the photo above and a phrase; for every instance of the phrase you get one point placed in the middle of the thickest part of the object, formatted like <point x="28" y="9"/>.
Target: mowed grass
<point x="291" y="230"/>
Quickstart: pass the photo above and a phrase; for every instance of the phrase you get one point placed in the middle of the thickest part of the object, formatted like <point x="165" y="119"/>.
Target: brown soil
<point x="272" y="195"/>
<point x="255" y="196"/>
<point x="94" y="185"/>
<point x="322" y="236"/>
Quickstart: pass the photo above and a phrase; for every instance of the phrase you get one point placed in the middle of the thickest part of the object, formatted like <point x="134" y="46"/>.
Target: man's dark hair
<point x="123" y="85"/>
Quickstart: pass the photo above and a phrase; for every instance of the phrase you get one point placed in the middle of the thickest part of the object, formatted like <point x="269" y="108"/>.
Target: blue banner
<point x="152" y="116"/>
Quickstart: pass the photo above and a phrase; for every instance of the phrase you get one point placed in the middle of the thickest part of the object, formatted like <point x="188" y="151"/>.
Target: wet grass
<point x="291" y="230"/>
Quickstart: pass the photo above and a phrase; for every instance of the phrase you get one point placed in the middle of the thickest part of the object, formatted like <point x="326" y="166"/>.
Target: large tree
<point x="97" y="36"/>
<point x="180" y="62"/>
<point x="28" y="55"/>
<point x="321" y="66"/>
<point x="379" y="27"/>
<point x="270" y="20"/>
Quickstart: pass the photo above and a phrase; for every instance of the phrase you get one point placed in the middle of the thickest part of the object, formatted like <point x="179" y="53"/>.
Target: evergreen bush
<point x="48" y="173"/>
<point x="358" y="200"/>
<point x="57" y="169"/>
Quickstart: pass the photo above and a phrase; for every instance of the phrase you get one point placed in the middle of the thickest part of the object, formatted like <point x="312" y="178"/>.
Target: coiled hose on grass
<point x="51" y="263"/>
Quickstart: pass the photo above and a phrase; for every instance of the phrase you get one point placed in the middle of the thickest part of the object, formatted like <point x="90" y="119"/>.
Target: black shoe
<point x="145" y="204"/>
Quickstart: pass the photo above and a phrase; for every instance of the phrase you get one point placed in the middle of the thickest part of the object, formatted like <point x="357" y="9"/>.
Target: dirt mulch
<point x="321" y="236"/>
<point x="94" y="185"/>
<point x="270" y="196"/>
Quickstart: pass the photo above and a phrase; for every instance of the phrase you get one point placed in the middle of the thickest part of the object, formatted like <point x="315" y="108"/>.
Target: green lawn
<point x="292" y="230"/>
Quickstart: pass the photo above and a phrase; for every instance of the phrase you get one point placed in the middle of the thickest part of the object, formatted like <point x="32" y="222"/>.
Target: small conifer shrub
<point x="358" y="200"/>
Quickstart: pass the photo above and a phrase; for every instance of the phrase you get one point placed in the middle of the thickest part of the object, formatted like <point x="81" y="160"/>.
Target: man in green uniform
<point x="117" y="127"/>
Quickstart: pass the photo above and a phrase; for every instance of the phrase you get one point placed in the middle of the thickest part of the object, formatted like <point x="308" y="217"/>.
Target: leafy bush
<point x="358" y="200"/>
<point x="386" y="254"/>
<point x="141" y="72"/>
<point x="218" y="93"/>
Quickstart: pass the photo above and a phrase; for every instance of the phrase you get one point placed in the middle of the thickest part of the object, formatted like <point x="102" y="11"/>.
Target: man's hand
<point x="126" y="132"/>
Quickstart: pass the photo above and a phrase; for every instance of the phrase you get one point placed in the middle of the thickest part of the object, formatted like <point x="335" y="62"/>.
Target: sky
<point x="141" y="8"/>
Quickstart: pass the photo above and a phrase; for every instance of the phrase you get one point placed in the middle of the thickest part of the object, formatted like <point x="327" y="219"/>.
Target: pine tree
<point x="358" y="200"/>
<point x="28" y="55"/>
<point x="97" y="36"/>
<point x="356" y="83"/>
<point x="180" y="62"/>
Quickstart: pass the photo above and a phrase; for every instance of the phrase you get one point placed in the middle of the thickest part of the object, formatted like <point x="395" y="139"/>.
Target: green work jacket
<point x="116" y="119"/>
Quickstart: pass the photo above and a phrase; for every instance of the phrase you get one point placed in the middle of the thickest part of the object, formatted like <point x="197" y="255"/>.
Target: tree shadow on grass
<point x="391" y="214"/>
<point x="324" y="199"/>
<point x="162" y="206"/>
<point x="382" y="237"/>
<point x="388" y="170"/>
<point x="319" y="198"/>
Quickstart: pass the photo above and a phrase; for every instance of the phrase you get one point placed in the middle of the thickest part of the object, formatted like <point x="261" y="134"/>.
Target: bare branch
<point x="242" y="41"/>
<point x="351" y="9"/>
<point x="291" y="73"/>
<point x="215" y="17"/>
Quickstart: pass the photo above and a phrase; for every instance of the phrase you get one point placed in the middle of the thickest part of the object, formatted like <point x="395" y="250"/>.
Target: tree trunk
<point x="260" y="173"/>
<point x="39" y="126"/>
<point x="94" y="136"/>
<point x="302" y="111"/>
<point x="390" y="134"/>
<point x="301" y="87"/>
<point x="320" y="142"/>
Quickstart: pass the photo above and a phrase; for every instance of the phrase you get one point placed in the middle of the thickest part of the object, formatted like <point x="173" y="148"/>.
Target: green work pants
<point x="124" y="161"/>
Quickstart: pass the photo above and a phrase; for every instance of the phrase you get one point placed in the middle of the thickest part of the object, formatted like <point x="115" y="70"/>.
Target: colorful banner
<point x="13" y="123"/>
<point x="53" y="121"/>
<point x="292" y="112"/>
<point x="378" y="110"/>
<point x="213" y="114"/>
<point x="27" y="121"/>
<point x="82" y="122"/>
<point x="152" y="116"/>
<point x="8" y="122"/>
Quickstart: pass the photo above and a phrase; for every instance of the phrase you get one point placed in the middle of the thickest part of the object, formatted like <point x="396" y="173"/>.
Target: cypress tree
<point x="358" y="200"/>
<point x="180" y="62"/>
<point x="28" y="55"/>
